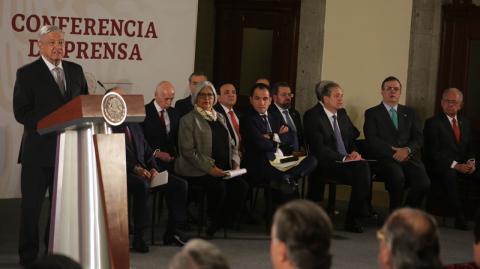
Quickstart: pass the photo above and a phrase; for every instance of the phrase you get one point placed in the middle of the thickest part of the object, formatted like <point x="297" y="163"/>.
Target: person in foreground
<point x="206" y="152"/>
<point x="301" y="237"/>
<point x="409" y="239"/>
<point x="41" y="87"/>
<point x="199" y="254"/>
<point x="449" y="151"/>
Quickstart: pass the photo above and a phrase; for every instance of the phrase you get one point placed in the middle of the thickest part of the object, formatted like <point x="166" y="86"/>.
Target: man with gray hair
<point x="301" y="236"/>
<point x="409" y="239"/>
<point x="41" y="87"/>
<point x="199" y="254"/>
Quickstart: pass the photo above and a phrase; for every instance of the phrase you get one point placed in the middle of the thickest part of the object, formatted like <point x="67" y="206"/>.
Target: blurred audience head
<point x="227" y="95"/>
<point x="476" y="245"/>
<point x="118" y="90"/>
<point x="409" y="239"/>
<point x="301" y="235"/>
<point x="199" y="254"/>
<point x="164" y="94"/>
<point x="54" y="261"/>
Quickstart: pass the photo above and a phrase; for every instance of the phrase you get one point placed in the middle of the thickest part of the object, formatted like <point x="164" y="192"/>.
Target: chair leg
<point x="202" y="213"/>
<point x="268" y="209"/>
<point x="304" y="182"/>
<point x="332" y="197"/>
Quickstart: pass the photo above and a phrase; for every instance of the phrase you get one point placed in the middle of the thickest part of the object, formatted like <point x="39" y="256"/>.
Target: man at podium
<point x="41" y="87"/>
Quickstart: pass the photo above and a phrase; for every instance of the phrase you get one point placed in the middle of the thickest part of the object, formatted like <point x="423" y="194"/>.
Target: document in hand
<point x="160" y="179"/>
<point x="234" y="173"/>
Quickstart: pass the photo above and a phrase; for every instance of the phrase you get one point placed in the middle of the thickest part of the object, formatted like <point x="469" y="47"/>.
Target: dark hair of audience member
<point x="196" y="73"/>
<point x="391" y="78"/>
<point x="54" y="261"/>
<point x="277" y="85"/>
<point x="260" y="86"/>
<point x="306" y="230"/>
<point x="325" y="90"/>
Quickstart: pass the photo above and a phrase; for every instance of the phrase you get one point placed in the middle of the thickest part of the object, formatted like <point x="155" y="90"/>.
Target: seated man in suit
<point x="160" y="128"/>
<point x="331" y="137"/>
<point x="449" y="151"/>
<point x="227" y="98"/>
<point x="183" y="106"/>
<point x="263" y="135"/>
<point x="394" y="137"/>
<point x="282" y="108"/>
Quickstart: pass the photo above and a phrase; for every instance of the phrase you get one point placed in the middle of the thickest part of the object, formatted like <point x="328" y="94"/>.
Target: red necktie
<point x="234" y="122"/>
<point x="162" y="118"/>
<point x="456" y="130"/>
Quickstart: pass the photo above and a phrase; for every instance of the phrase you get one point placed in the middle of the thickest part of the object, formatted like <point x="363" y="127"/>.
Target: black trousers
<point x="35" y="180"/>
<point x="449" y="178"/>
<point x="356" y="174"/>
<point x="398" y="175"/>
<point x="225" y="198"/>
<point x="175" y="197"/>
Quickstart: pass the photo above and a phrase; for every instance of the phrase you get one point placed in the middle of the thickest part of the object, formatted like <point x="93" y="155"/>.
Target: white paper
<point x="160" y="179"/>
<point x="235" y="173"/>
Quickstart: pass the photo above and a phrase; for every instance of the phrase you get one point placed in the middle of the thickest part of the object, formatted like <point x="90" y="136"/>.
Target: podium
<point x="89" y="214"/>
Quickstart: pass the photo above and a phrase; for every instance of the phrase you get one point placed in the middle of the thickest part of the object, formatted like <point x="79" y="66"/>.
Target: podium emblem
<point x="114" y="108"/>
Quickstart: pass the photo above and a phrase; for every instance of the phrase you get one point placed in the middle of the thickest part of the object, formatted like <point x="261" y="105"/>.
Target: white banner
<point x="132" y="44"/>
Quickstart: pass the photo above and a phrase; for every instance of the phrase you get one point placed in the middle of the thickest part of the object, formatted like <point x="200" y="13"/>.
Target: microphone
<point x="101" y="85"/>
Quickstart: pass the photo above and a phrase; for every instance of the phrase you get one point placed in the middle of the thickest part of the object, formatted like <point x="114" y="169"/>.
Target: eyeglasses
<point x="291" y="95"/>
<point x="205" y="95"/>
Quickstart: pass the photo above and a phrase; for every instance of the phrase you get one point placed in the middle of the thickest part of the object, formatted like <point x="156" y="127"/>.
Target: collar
<point x="266" y="114"/>
<point x="328" y="112"/>
<point x="50" y="65"/>
<point x="451" y="118"/>
<point x="280" y="108"/>
<point x="226" y="109"/>
<point x="388" y="107"/>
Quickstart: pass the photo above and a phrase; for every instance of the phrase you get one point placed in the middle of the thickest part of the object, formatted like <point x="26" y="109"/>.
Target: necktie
<point x="338" y="137"/>
<point x="456" y="130"/>
<point x="234" y="122"/>
<point x="60" y="80"/>
<point x="267" y="124"/>
<point x="394" y="117"/>
<point x="162" y="118"/>
<point x="290" y="123"/>
<point x="292" y="127"/>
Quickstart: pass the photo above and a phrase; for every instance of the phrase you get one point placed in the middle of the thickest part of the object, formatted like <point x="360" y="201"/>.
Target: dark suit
<point x="36" y="95"/>
<point x="139" y="153"/>
<point x="442" y="148"/>
<point x="183" y="106"/>
<point x="381" y="136"/>
<point x="322" y="143"/>
<point x="259" y="150"/>
<point x="156" y="133"/>
<point x="296" y="120"/>
<point x="218" y="107"/>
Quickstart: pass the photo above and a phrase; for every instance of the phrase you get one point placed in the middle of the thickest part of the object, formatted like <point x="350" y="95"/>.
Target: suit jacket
<point x="381" y="134"/>
<point x="138" y="151"/>
<point x="218" y="107"/>
<point x="296" y="120"/>
<point x="320" y="136"/>
<point x="195" y="145"/>
<point x="35" y="95"/>
<point x="258" y="149"/>
<point x="156" y="134"/>
<point x="441" y="147"/>
<point x="183" y="106"/>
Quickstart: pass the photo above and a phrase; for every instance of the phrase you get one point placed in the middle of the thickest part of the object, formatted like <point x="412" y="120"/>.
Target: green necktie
<point x="393" y="115"/>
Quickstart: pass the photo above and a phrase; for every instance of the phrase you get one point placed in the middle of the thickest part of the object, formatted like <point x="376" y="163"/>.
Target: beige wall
<point x="365" y="41"/>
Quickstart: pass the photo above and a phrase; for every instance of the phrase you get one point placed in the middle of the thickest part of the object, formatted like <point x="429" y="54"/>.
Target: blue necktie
<point x="267" y="124"/>
<point x="394" y="117"/>
<point x="340" y="145"/>
<point x="292" y="127"/>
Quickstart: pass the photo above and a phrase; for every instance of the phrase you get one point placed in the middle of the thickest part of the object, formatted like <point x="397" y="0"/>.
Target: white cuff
<point x="453" y="164"/>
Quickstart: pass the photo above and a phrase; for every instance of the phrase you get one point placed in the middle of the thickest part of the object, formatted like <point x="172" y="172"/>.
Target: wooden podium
<point x="89" y="217"/>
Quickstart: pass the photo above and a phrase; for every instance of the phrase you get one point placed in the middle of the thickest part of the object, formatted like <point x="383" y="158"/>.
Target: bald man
<point x="160" y="128"/>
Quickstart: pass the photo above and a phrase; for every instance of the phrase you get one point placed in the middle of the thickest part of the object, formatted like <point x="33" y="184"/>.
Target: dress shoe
<point x="353" y="227"/>
<point x="140" y="246"/>
<point x="461" y="224"/>
<point x="286" y="185"/>
<point x="174" y="239"/>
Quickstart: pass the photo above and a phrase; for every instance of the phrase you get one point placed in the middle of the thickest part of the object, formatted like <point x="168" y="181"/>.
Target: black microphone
<point x="101" y="85"/>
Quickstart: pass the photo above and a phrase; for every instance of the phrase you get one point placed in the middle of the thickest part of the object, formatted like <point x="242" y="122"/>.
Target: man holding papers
<point x="331" y="136"/>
